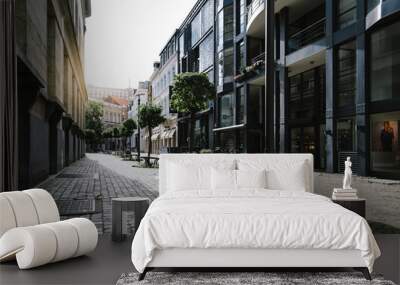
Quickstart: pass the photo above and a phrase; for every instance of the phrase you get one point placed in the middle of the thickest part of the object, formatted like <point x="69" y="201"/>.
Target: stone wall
<point x="383" y="196"/>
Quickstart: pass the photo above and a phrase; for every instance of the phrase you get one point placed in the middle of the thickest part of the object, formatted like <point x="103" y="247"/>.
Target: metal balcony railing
<point x="258" y="58"/>
<point x="307" y="35"/>
<point x="254" y="5"/>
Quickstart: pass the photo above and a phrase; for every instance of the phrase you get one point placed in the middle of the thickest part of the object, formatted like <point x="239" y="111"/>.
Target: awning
<point x="155" y="137"/>
<point x="164" y="134"/>
<point x="171" y="133"/>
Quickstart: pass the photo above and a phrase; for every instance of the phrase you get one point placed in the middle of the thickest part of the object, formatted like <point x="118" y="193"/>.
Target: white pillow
<point x="251" y="178"/>
<point x="291" y="179"/>
<point x="189" y="174"/>
<point x="223" y="179"/>
<point x="183" y="177"/>
<point x="281" y="175"/>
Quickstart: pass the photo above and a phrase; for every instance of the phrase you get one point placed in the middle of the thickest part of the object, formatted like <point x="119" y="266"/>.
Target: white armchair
<point x="31" y="231"/>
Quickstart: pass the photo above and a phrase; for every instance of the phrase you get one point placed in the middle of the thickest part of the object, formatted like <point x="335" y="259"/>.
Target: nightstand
<point x="357" y="205"/>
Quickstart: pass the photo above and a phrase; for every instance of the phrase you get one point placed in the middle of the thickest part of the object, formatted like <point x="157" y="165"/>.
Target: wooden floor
<point x="110" y="260"/>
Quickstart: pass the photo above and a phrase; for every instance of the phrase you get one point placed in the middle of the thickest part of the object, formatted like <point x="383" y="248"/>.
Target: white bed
<point x="249" y="227"/>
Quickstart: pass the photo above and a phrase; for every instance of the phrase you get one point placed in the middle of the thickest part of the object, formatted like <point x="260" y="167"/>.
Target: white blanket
<point x="250" y="219"/>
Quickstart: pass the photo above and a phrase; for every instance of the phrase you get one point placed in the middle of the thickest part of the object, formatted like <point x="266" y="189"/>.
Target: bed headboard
<point x="208" y="159"/>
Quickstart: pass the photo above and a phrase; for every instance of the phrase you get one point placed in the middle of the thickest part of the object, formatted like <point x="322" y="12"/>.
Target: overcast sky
<point x="124" y="37"/>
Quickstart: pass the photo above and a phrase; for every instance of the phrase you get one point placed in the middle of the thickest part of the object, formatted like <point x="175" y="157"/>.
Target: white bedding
<point x="250" y="219"/>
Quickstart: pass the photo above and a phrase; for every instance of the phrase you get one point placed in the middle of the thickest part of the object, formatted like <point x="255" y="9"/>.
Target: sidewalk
<point x="99" y="178"/>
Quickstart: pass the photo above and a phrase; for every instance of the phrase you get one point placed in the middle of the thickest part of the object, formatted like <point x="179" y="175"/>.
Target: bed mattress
<point x="250" y="219"/>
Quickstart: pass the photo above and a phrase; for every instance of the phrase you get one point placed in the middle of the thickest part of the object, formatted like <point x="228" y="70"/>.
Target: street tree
<point x="191" y="92"/>
<point x="150" y="117"/>
<point x="116" y="135"/>
<point x="93" y="116"/>
<point x="128" y="128"/>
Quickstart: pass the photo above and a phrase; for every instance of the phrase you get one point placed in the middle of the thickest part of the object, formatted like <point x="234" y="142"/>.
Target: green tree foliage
<point x="116" y="133"/>
<point x="150" y="117"/>
<point x="108" y="133"/>
<point x="93" y="116"/>
<point x="190" y="94"/>
<point x="126" y="130"/>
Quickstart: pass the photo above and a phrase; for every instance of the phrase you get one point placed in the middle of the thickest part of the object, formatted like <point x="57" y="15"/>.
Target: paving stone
<point x="90" y="179"/>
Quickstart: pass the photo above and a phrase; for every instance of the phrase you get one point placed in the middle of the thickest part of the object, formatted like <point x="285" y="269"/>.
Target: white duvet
<point x="250" y="219"/>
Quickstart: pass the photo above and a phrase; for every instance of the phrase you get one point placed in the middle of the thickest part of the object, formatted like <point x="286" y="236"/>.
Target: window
<point x="196" y="29"/>
<point x="225" y="66"/>
<point x="385" y="143"/>
<point x="228" y="23"/>
<point x="207" y="52"/>
<point x="346" y="13"/>
<point x="346" y="135"/>
<point x="207" y="16"/>
<point x="241" y="95"/>
<point x="220" y="30"/>
<point x="346" y="75"/>
<point x="241" y="61"/>
<point x="182" y="49"/>
<point x="242" y="16"/>
<point x="220" y="68"/>
<point x="226" y="110"/>
<point x="385" y="63"/>
<point x="228" y="64"/>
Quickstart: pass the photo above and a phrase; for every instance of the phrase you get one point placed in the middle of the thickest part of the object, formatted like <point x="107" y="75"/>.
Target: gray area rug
<point x="236" y="278"/>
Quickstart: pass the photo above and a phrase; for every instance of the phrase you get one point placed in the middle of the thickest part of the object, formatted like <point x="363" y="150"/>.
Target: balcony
<point x="307" y="35"/>
<point x="253" y="71"/>
<point x="256" y="19"/>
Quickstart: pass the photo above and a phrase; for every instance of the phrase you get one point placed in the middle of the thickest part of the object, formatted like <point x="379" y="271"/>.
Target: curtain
<point x="8" y="98"/>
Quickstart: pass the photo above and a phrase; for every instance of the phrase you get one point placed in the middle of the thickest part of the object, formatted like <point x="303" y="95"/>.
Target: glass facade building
<point x="335" y="90"/>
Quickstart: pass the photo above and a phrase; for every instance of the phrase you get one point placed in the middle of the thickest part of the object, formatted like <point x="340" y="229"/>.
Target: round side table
<point x="121" y="207"/>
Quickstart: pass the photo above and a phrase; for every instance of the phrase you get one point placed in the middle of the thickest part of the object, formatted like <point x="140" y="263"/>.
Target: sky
<point x="125" y="37"/>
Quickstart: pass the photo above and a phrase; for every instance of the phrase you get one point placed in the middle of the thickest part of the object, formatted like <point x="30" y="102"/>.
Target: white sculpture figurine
<point x="347" y="174"/>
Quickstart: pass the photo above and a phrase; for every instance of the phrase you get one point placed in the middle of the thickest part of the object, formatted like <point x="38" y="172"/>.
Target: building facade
<point x="115" y="102"/>
<point x="140" y="97"/>
<point x="196" y="53"/>
<point x="298" y="76"/>
<point x="164" y="136"/>
<point x="50" y="86"/>
<point x="101" y="93"/>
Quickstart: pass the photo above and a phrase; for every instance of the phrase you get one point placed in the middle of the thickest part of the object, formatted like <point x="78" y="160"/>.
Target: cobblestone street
<point x="94" y="181"/>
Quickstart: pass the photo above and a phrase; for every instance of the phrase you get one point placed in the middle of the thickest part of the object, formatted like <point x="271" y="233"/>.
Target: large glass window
<point x="182" y="49"/>
<point x="220" y="30"/>
<point x="346" y="75"/>
<point x="385" y="63"/>
<point x="196" y="29"/>
<point x="241" y="62"/>
<point x="242" y="104"/>
<point x="225" y="66"/>
<point x="346" y="135"/>
<point x="207" y="52"/>
<point x="207" y="16"/>
<point x="228" y="23"/>
<point x="346" y="13"/>
<point x="220" y="68"/>
<point x="226" y="110"/>
<point x="242" y="16"/>
<point x="385" y="143"/>
<point x="228" y="64"/>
